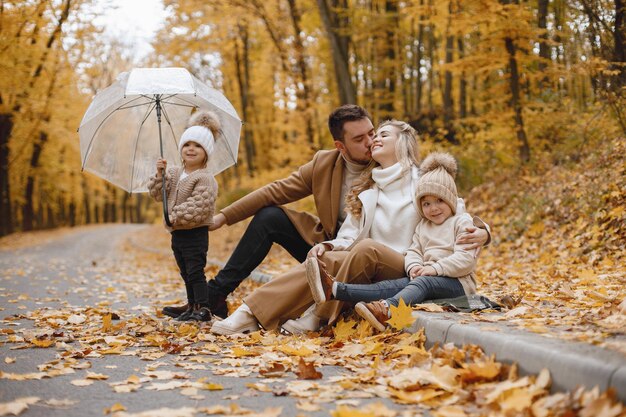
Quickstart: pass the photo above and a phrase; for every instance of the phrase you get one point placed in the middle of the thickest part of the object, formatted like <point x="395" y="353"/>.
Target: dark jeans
<point x="370" y="292"/>
<point x="412" y="291"/>
<point x="270" y="225"/>
<point x="190" y="248"/>
<point x="427" y="288"/>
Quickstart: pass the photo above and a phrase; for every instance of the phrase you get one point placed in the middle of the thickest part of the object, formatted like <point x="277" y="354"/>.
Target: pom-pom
<point x="207" y="119"/>
<point x="439" y="159"/>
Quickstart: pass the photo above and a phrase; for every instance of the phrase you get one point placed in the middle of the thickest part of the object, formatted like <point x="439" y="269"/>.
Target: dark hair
<point x="343" y="114"/>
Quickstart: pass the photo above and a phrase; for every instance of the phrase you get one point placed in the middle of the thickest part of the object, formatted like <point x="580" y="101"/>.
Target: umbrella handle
<point x="158" y="113"/>
<point x="165" y="215"/>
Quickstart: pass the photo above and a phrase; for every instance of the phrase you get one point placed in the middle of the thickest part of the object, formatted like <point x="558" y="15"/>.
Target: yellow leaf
<point x="42" y="343"/>
<point x="401" y="316"/>
<point x="239" y="352"/>
<point x="343" y="330"/>
<point x="212" y="387"/>
<point x="301" y="351"/>
<point x="106" y="323"/>
<point x="517" y="400"/>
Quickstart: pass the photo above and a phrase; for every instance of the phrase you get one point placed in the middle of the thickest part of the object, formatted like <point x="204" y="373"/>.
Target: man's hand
<point x="219" y="220"/>
<point x="317" y="251"/>
<point x="473" y="238"/>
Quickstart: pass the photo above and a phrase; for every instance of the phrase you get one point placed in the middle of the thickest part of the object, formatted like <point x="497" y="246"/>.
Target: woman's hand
<point x="161" y="166"/>
<point x="473" y="238"/>
<point x="317" y="251"/>
<point x="219" y="220"/>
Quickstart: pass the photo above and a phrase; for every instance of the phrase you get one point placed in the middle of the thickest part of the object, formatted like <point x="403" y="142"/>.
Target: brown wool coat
<point x="190" y="201"/>
<point x="322" y="177"/>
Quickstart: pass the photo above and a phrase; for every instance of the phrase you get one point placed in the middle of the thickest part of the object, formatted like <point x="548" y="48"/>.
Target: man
<point x="328" y="177"/>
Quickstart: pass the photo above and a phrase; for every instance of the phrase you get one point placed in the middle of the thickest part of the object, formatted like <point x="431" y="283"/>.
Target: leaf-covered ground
<point x="389" y="374"/>
<point x="556" y="261"/>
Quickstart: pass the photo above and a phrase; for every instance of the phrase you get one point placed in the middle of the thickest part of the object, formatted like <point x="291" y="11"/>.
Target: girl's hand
<point x="415" y="271"/>
<point x="317" y="251"/>
<point x="428" y="271"/>
<point x="161" y="166"/>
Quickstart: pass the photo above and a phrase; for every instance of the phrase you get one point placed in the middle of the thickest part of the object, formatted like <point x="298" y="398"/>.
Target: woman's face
<point x="384" y="146"/>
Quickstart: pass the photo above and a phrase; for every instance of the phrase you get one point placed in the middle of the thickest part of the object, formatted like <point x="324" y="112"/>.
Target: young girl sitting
<point x="191" y="192"/>
<point x="437" y="267"/>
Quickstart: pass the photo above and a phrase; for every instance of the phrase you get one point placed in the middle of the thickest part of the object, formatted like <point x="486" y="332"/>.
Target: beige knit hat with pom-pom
<point x="204" y="126"/>
<point x="437" y="174"/>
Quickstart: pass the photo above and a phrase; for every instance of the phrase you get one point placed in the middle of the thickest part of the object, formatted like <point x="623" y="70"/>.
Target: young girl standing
<point x="191" y="192"/>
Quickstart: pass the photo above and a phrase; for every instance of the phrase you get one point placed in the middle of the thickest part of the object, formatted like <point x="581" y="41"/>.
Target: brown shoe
<point x="320" y="281"/>
<point x="175" y="311"/>
<point x="376" y="313"/>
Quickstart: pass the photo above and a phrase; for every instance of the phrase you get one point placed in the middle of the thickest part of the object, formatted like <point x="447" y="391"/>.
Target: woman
<point x="382" y="215"/>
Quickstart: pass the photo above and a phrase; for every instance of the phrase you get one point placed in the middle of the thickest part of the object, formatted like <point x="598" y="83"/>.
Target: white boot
<point x="241" y="321"/>
<point x="308" y="322"/>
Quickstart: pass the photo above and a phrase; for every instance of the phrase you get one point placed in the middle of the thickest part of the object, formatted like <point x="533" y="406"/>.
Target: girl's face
<point x="435" y="209"/>
<point x="193" y="155"/>
<point x="384" y="146"/>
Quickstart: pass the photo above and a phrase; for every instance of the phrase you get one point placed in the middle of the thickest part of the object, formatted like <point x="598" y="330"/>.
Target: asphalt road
<point x="73" y="271"/>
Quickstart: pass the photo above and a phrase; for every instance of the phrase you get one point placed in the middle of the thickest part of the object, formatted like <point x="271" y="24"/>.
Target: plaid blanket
<point x="466" y="303"/>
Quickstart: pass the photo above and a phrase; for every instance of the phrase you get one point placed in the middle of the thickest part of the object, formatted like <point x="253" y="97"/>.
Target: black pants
<point x="270" y="225"/>
<point x="190" y="248"/>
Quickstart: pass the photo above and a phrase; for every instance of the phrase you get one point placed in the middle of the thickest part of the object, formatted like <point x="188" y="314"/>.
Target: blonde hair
<point x="407" y="151"/>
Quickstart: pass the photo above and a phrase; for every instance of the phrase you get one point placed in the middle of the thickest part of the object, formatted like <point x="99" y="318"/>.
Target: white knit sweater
<point x="396" y="216"/>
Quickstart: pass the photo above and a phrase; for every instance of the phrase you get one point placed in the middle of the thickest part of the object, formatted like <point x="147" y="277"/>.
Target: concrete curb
<point x="571" y="364"/>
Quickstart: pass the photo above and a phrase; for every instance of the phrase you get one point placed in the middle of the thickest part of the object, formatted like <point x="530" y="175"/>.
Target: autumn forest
<point x="509" y="87"/>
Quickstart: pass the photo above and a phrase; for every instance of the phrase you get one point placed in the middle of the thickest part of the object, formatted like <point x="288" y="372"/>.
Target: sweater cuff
<point x="439" y="269"/>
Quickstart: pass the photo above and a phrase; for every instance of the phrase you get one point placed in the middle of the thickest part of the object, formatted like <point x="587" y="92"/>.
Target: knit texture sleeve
<point x="198" y="208"/>
<point x="462" y="261"/>
<point x="155" y="185"/>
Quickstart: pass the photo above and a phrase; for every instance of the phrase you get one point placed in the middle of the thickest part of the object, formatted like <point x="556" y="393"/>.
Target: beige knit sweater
<point x="434" y="245"/>
<point x="190" y="201"/>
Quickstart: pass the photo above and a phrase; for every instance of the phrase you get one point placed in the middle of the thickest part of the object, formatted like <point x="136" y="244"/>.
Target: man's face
<point x="357" y="140"/>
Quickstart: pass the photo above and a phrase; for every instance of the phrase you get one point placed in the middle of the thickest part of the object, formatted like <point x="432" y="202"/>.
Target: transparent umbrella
<point x="141" y="116"/>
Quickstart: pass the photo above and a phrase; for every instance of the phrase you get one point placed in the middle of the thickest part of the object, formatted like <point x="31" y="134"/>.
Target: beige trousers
<point x="288" y="295"/>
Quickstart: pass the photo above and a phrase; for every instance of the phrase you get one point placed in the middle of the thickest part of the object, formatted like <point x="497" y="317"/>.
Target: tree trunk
<point x="524" y="148"/>
<point x="544" y="48"/>
<point x="304" y="92"/>
<point x="28" y="208"/>
<point x="335" y="31"/>
<point x="431" y="71"/>
<point x="386" y="82"/>
<point x="448" y="104"/>
<point x="418" y="66"/>
<point x="619" y="49"/>
<point x="6" y="126"/>
<point x="243" y="78"/>
<point x="462" y="81"/>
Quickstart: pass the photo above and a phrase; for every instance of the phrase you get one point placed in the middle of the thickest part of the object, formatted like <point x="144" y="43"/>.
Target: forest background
<point x="518" y="91"/>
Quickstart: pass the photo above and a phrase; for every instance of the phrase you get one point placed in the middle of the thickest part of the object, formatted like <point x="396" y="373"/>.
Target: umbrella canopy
<point x="122" y="134"/>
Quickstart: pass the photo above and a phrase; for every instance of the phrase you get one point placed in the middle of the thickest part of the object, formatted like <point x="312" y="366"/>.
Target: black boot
<point x="217" y="304"/>
<point x="201" y="313"/>
<point x="186" y="315"/>
<point x="175" y="311"/>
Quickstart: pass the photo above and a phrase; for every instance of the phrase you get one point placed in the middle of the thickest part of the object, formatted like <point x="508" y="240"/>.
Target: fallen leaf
<point x="306" y="370"/>
<point x="401" y="316"/>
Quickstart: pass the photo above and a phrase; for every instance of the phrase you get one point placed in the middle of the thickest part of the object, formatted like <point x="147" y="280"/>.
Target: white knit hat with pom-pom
<point x="204" y="126"/>
<point x="437" y="174"/>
